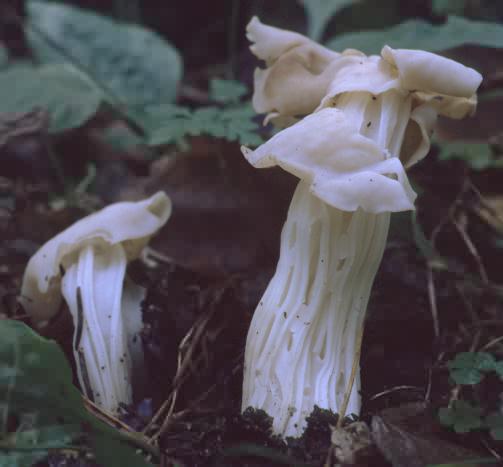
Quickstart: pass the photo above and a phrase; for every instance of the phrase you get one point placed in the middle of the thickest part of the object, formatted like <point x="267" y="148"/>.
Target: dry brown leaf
<point x="227" y="216"/>
<point x="410" y="436"/>
<point x="352" y="444"/>
<point x="491" y="211"/>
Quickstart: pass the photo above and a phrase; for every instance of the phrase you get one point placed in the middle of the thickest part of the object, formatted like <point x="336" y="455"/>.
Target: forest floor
<point x="433" y="297"/>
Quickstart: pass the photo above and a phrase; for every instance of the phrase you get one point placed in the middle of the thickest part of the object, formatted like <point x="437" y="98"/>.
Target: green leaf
<point x="494" y="422"/>
<point x="418" y="34"/>
<point x="36" y="390"/>
<point x="466" y="376"/>
<point x="114" y="452"/>
<point x="462" y="416"/>
<point x="226" y="91"/>
<point x="448" y="7"/>
<point x="319" y="13"/>
<point x="468" y="367"/>
<point x="482" y="361"/>
<point x="498" y="368"/>
<point x="4" y="56"/>
<point x="171" y="124"/>
<point x="68" y="96"/>
<point x="137" y="66"/>
<point x="478" y="156"/>
<point x="23" y="459"/>
<point x="166" y="124"/>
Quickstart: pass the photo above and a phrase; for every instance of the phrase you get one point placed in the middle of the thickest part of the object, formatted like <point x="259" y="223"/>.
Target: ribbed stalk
<point x="100" y="340"/>
<point x="303" y="336"/>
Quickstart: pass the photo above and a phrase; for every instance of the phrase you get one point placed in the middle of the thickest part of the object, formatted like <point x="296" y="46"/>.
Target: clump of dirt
<point x="220" y="438"/>
<point x="231" y="438"/>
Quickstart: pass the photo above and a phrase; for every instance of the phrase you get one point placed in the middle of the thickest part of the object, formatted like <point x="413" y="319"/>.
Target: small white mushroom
<point x="368" y="118"/>
<point x="86" y="264"/>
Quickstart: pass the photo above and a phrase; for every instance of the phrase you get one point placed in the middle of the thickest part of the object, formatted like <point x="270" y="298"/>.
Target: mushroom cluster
<point x="354" y="123"/>
<point x="86" y="264"/>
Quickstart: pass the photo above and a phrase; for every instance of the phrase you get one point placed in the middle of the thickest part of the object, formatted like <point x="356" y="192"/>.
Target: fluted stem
<point x="301" y="341"/>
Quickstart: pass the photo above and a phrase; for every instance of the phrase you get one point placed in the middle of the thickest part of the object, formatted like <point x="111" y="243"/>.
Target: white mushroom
<point x="372" y="116"/>
<point x="86" y="264"/>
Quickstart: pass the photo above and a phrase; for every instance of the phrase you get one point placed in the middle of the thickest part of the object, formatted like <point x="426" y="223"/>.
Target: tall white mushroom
<point x="86" y="264"/>
<point x="369" y="117"/>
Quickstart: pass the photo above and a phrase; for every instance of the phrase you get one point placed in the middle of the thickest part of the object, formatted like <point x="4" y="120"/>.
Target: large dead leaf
<point x="227" y="216"/>
<point x="410" y="436"/>
<point x="352" y="444"/>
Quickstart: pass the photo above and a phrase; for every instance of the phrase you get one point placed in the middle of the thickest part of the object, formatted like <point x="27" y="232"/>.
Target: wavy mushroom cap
<point x="446" y="85"/>
<point x="303" y="77"/>
<point x="301" y="73"/>
<point x="295" y="64"/>
<point x="130" y="224"/>
<point x="344" y="168"/>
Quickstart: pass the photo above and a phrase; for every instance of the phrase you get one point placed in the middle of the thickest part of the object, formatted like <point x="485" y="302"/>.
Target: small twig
<point x="432" y="298"/>
<point x="394" y="389"/>
<point x="136" y="438"/>
<point x="471" y="248"/>
<point x="105" y="416"/>
<point x="485" y="204"/>
<point x="194" y="340"/>
<point x="464" y="331"/>
<point x="429" y="385"/>
<point x="180" y="368"/>
<point x="437" y="363"/>
<point x="475" y="342"/>
<point x="153" y="421"/>
<point x="433" y="237"/>
<point x="191" y="340"/>
<point x="491" y="450"/>
<point x="352" y="377"/>
<point x="186" y="350"/>
<point x="151" y="257"/>
<point x="491" y="343"/>
<point x="170" y="401"/>
<point x="467" y="303"/>
<point x="174" y="416"/>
